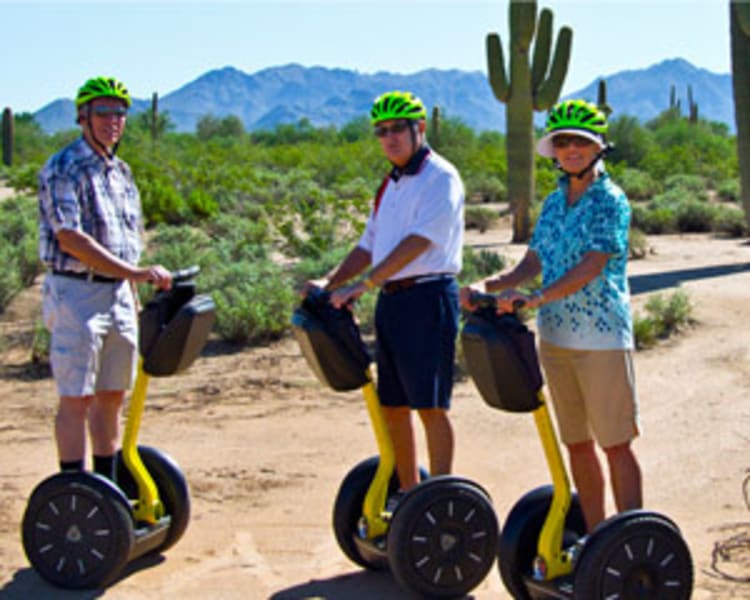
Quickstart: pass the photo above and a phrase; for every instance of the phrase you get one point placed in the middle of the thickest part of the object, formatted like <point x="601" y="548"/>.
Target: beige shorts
<point x="593" y="394"/>
<point x="94" y="334"/>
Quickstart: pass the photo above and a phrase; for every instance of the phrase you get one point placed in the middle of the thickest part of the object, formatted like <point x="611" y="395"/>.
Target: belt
<point x="397" y="285"/>
<point x="89" y="276"/>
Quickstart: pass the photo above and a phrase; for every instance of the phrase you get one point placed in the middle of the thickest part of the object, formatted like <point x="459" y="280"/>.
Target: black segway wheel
<point x="77" y="530"/>
<point x="443" y="538"/>
<point x="172" y="487"/>
<point x="636" y="555"/>
<point x="518" y="541"/>
<point x="347" y="510"/>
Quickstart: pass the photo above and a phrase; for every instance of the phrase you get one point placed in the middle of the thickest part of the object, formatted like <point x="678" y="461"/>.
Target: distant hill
<point x="326" y="96"/>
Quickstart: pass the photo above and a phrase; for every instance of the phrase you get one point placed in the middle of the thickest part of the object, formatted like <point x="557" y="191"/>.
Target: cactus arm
<point x="549" y="91"/>
<point x="522" y="23"/>
<point x="742" y="12"/>
<point x="496" y="68"/>
<point x="540" y="60"/>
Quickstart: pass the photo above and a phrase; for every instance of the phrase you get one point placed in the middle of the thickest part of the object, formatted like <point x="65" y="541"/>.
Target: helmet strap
<point x="110" y="154"/>
<point x="581" y="174"/>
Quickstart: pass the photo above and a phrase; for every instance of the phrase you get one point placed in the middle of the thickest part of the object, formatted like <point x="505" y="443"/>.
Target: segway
<point x="440" y="540"/>
<point x="544" y="552"/>
<point x="80" y="529"/>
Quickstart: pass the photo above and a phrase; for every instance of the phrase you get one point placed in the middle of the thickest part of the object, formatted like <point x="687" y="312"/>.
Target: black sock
<point x="71" y="465"/>
<point x="105" y="465"/>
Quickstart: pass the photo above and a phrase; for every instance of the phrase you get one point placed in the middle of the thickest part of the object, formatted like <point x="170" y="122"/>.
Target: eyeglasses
<point x="108" y="111"/>
<point x="382" y="131"/>
<point x="563" y="141"/>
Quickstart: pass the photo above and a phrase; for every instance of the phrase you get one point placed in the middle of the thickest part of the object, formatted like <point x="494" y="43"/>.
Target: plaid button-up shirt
<point x="83" y="191"/>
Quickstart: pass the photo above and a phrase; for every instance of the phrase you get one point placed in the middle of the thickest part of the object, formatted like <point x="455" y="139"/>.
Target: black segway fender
<point x="77" y="530"/>
<point x="442" y="541"/>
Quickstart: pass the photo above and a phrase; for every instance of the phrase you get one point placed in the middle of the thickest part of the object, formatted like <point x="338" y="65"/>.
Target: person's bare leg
<point x="625" y="476"/>
<point x="70" y="427"/>
<point x="589" y="481"/>
<point x="440" y="439"/>
<point x="104" y="422"/>
<point x="398" y="421"/>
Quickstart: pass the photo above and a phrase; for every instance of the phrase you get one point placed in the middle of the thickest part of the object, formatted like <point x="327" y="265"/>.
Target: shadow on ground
<point x="651" y="282"/>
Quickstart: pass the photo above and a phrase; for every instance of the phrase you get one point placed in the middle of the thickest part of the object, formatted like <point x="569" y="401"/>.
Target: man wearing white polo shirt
<point x="412" y="246"/>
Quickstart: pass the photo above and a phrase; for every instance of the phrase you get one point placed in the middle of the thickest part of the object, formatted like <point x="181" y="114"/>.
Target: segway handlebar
<point x="484" y="301"/>
<point x="185" y="274"/>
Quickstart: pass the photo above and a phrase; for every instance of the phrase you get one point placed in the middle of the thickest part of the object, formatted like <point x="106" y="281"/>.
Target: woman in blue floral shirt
<point x="580" y="246"/>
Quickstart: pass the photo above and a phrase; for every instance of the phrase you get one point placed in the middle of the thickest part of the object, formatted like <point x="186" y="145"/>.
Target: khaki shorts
<point x="593" y="394"/>
<point x="94" y="334"/>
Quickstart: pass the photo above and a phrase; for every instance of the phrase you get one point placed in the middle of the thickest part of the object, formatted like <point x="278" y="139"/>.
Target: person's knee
<point x="434" y="416"/>
<point x="74" y="405"/>
<point x="585" y="448"/>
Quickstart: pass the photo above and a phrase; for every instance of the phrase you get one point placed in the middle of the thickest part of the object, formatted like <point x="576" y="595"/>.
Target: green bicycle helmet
<point x="397" y="105"/>
<point x="576" y="117"/>
<point x="102" y="87"/>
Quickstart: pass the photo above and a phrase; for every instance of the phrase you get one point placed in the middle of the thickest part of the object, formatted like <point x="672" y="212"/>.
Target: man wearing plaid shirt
<point x="90" y="227"/>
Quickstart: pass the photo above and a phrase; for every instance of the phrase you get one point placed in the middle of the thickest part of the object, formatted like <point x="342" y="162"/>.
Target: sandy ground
<point x="264" y="447"/>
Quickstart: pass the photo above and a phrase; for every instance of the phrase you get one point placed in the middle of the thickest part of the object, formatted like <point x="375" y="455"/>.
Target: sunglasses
<point x="108" y="111"/>
<point x="382" y="131"/>
<point x="563" y="141"/>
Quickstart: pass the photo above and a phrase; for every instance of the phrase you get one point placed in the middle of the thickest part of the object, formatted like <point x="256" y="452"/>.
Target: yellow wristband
<point x="369" y="283"/>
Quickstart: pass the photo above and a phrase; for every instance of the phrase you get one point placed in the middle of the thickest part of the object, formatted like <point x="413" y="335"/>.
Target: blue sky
<point x="49" y="48"/>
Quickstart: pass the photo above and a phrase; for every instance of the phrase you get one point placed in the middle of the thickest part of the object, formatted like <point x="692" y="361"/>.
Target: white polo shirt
<point x="426" y="200"/>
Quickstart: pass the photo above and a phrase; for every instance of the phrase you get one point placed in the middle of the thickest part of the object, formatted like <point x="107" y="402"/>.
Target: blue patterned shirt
<point x="83" y="191"/>
<point x="598" y="316"/>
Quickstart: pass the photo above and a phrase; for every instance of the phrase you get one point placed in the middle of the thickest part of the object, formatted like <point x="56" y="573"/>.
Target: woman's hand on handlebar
<point x="510" y="301"/>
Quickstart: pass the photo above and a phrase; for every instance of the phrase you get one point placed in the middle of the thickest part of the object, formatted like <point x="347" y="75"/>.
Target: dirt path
<point x="264" y="448"/>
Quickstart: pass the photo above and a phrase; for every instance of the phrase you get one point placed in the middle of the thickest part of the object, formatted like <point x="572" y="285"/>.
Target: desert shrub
<point x="694" y="216"/>
<point x="637" y="185"/>
<point x="728" y="190"/>
<point x="485" y="188"/>
<point x="238" y="238"/>
<point x="24" y="178"/>
<point x="730" y="221"/>
<point x="480" y="217"/>
<point x="637" y="243"/>
<point x="664" y="317"/>
<point x="654" y="220"/>
<point x="19" y="247"/>
<point x="253" y="300"/>
<point x="177" y="247"/>
<point x="477" y="265"/>
<point x="695" y="185"/>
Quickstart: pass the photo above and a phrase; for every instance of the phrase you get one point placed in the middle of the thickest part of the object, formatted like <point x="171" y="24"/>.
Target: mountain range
<point x="329" y="96"/>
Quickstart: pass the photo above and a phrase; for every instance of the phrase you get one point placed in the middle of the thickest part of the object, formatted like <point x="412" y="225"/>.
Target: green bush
<point x="477" y="265"/>
<point x="480" y="217"/>
<point x="695" y="185"/>
<point x="637" y="185"/>
<point x="728" y="190"/>
<point x="485" y="188"/>
<point x="637" y="243"/>
<point x="253" y="300"/>
<point x="730" y="221"/>
<point x="19" y="246"/>
<point x="665" y="317"/>
<point x="694" y="217"/>
<point x="654" y="220"/>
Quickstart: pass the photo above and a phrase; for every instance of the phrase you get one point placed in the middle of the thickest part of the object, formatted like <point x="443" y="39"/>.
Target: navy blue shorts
<point x="416" y="331"/>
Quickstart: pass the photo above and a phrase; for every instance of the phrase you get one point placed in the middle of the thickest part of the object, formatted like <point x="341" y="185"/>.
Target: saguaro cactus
<point x="154" y="116"/>
<point x="531" y="87"/>
<point x="692" y="106"/>
<point x="8" y="137"/>
<point x="435" y="127"/>
<point x="740" y="39"/>
<point x="601" y="99"/>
